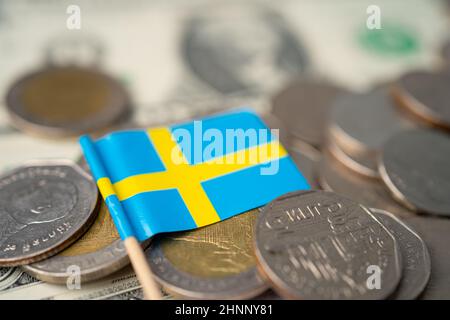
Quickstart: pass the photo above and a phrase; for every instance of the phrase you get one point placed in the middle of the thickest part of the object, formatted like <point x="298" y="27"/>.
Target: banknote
<point x="122" y="285"/>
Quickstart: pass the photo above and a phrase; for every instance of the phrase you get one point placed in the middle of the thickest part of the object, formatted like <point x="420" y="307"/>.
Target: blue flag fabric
<point x="189" y="175"/>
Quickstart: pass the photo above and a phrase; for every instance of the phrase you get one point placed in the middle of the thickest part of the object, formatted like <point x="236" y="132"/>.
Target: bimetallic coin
<point x="415" y="168"/>
<point x="304" y="106"/>
<point x="333" y="176"/>
<point x="320" y="245"/>
<point x="66" y="101"/>
<point x="426" y="95"/>
<point x="213" y="262"/>
<point x="98" y="253"/>
<point x="44" y="207"/>
<point x="416" y="267"/>
<point x="361" y="123"/>
<point x="435" y="233"/>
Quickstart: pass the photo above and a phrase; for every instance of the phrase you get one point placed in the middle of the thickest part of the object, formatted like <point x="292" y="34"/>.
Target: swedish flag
<point x="189" y="175"/>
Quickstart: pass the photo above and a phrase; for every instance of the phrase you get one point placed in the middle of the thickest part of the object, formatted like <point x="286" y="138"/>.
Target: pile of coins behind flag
<point x="373" y="226"/>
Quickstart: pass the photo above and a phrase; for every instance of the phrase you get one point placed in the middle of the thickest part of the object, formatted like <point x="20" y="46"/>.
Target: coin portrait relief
<point x="43" y="208"/>
<point x="238" y="49"/>
<point x="41" y="201"/>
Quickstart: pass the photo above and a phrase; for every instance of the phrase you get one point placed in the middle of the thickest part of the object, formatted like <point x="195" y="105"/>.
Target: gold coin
<point x="221" y="249"/>
<point x="102" y="233"/>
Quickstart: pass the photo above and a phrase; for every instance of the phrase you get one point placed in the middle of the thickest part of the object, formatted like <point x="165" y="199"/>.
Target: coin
<point x="320" y="245"/>
<point x="273" y="123"/>
<point x="415" y="168"/>
<point x="98" y="253"/>
<point x="416" y="267"/>
<point x="435" y="233"/>
<point x="333" y="176"/>
<point x="303" y="106"/>
<point x="213" y="262"/>
<point x="360" y="123"/>
<point x="44" y="207"/>
<point x="426" y="95"/>
<point x="306" y="159"/>
<point x="66" y="101"/>
<point x="362" y="164"/>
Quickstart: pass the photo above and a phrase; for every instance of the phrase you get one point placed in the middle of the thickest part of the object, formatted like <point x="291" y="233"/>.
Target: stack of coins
<point x="45" y="207"/>
<point x="377" y="164"/>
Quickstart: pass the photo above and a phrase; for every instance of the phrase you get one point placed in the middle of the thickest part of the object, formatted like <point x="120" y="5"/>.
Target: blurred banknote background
<point x="183" y="59"/>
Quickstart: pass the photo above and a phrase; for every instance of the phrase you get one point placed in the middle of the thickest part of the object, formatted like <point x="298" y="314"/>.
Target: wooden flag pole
<point x="142" y="269"/>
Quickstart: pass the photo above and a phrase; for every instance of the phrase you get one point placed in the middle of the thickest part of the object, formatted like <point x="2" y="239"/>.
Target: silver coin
<point x="319" y="245"/>
<point x="426" y="95"/>
<point x="415" y="168"/>
<point x="44" y="207"/>
<point x="9" y="276"/>
<point x="304" y="106"/>
<point x="306" y="158"/>
<point x="415" y="257"/>
<point x="361" y="123"/>
<point x="362" y="164"/>
<point x="213" y="262"/>
<point x="435" y="233"/>
<point x="334" y="176"/>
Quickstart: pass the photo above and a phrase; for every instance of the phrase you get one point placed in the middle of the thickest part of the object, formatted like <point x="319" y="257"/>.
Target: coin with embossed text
<point x="415" y="168"/>
<point x="426" y="95"/>
<point x="44" y="207"/>
<point x="213" y="262"/>
<point x="320" y="245"/>
<point x="435" y="233"/>
<point x="416" y="263"/>
<point x="98" y="253"/>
